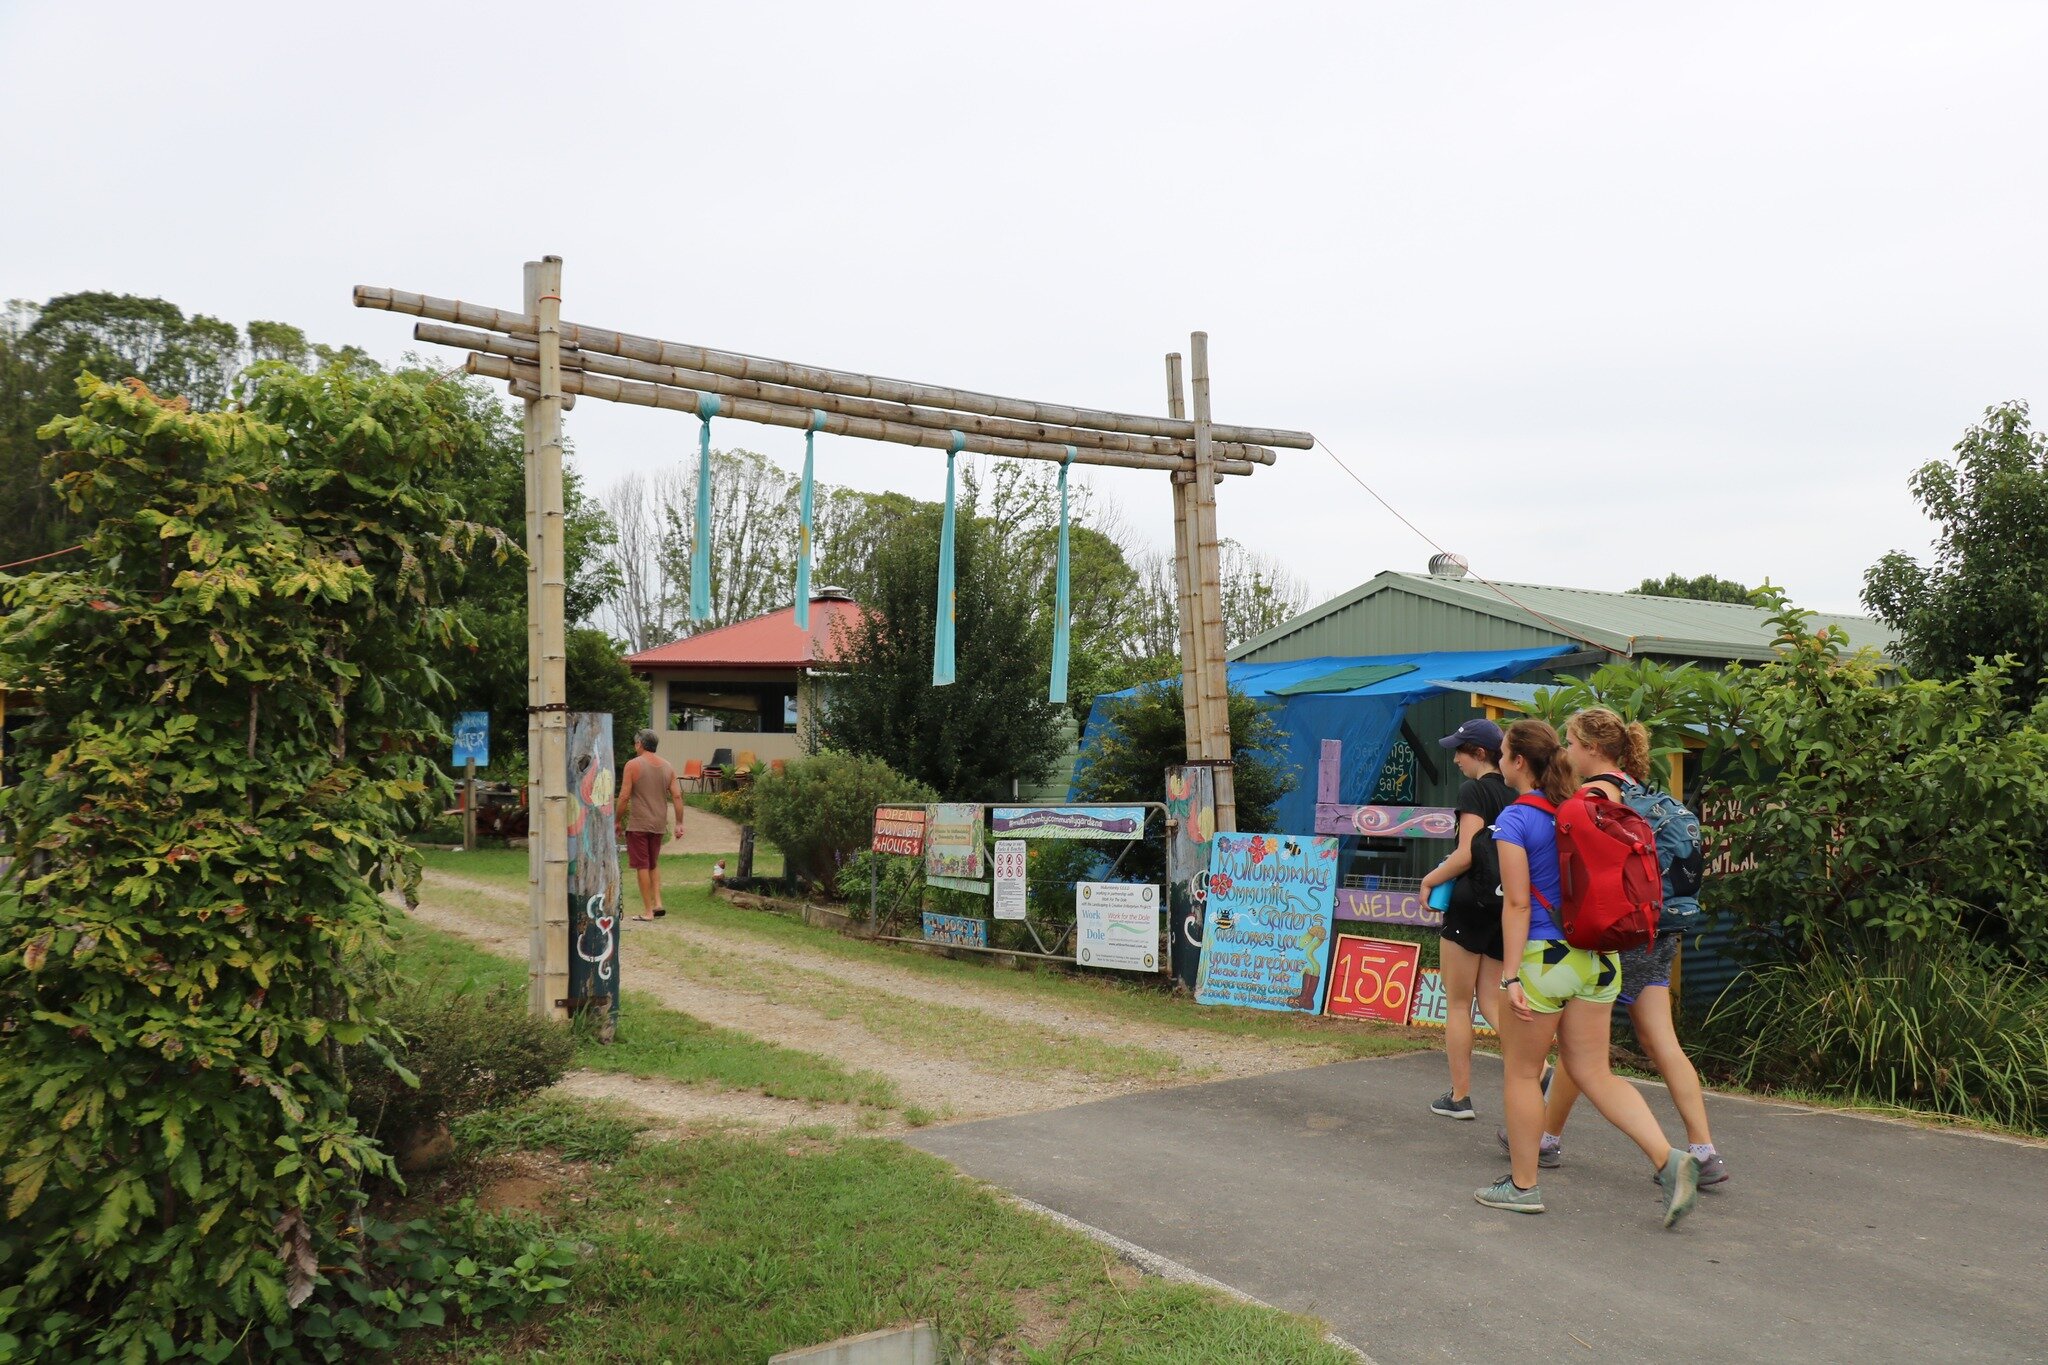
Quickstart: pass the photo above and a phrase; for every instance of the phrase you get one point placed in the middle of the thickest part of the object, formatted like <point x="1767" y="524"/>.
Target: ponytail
<point x="1627" y="746"/>
<point x="1535" y="743"/>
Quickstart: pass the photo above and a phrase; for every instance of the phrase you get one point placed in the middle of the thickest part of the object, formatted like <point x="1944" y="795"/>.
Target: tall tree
<point x="753" y="537"/>
<point x="1704" y="588"/>
<point x="649" y="608"/>
<point x="1986" y="593"/>
<point x="993" y="726"/>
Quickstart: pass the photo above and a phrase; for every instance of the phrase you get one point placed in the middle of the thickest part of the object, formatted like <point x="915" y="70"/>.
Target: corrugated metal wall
<point x="1395" y="622"/>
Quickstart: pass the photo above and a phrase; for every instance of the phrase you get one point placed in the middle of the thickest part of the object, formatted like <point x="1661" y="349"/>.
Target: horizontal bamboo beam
<point x="529" y="389"/>
<point x="778" y="415"/>
<point x="736" y="366"/>
<point x="520" y="348"/>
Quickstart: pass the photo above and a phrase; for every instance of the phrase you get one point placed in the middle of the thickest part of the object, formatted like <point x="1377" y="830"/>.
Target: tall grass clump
<point x="1931" y="1026"/>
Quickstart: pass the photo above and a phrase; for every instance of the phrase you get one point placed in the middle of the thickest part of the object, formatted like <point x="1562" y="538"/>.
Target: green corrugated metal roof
<point x="1625" y="622"/>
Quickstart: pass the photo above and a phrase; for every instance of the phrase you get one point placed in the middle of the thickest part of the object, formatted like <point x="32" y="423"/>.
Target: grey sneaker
<point x="1550" y="1155"/>
<point x="1681" y="1181"/>
<point x="1454" y="1109"/>
<point x="1502" y="1194"/>
<point x="1713" y="1171"/>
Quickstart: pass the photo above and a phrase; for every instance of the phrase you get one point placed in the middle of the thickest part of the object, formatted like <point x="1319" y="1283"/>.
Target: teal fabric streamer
<point x="942" y="634"/>
<point x="1062" y="604"/>
<point x="803" y="547"/>
<point x="700" y="547"/>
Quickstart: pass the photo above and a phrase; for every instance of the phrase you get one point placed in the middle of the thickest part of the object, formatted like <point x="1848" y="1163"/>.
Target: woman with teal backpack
<point x="1557" y="993"/>
<point x="1599" y="744"/>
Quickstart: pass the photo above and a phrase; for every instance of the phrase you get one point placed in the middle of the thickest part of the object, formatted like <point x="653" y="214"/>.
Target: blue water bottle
<point x="1440" y="896"/>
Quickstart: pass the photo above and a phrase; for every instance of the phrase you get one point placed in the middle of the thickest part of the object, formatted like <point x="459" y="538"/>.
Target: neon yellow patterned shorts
<point x="1554" y="973"/>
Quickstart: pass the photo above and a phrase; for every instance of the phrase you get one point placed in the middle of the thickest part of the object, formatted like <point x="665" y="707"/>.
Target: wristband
<point x="1510" y="981"/>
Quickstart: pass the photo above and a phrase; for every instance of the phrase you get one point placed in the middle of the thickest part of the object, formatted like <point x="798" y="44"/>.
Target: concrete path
<point x="1334" y="1191"/>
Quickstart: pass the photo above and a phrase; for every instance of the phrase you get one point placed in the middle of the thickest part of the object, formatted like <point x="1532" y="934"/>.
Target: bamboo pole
<point x="592" y="362"/>
<point x="1209" y="584"/>
<point x="536" y="904"/>
<point x="1183" y="578"/>
<point x="774" y="414"/>
<point x="737" y="366"/>
<point x="554" y="717"/>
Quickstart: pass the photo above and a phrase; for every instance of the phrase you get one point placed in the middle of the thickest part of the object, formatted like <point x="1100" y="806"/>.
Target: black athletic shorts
<point x="1474" y="930"/>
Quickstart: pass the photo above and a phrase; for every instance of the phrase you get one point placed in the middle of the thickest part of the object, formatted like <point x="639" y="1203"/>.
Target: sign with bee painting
<point x="1266" y="943"/>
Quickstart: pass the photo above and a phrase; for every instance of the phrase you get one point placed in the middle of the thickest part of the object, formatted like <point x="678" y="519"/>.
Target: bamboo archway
<point x="549" y="363"/>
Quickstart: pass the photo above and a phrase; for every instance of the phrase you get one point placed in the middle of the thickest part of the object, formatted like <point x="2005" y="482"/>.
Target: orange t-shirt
<point x="646" y="786"/>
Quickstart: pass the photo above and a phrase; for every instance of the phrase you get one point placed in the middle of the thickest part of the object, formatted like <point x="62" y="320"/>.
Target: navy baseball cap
<point x="1483" y="733"/>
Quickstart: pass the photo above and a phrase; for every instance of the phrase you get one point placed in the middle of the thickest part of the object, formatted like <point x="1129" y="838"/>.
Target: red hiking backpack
<point x="1607" y="863"/>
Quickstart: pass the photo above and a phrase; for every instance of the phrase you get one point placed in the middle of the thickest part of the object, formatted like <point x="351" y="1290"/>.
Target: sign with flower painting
<point x="1266" y="943"/>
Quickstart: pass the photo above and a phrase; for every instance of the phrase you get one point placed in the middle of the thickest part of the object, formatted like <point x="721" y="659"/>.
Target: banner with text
<point x="1433" y="1007"/>
<point x="899" y="829"/>
<point x="962" y="931"/>
<point x="1068" y="822"/>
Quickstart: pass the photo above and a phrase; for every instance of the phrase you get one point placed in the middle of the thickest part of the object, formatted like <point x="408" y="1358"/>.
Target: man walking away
<point x="647" y="789"/>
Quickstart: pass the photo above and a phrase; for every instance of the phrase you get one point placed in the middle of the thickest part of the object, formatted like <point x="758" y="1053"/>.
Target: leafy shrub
<point x="238" y="727"/>
<point x="896" y="884"/>
<point x="471" y="1050"/>
<point x="1921" y="1025"/>
<point x="821" y="811"/>
<point x="1135" y="739"/>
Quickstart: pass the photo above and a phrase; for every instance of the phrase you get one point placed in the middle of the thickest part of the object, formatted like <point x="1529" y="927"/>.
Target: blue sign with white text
<point x="473" y="738"/>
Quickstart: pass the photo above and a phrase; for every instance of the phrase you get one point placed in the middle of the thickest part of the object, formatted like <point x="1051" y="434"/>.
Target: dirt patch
<point x="516" y="1194"/>
<point x="943" y="1086"/>
<point x="691" y="1105"/>
<point x="704" y="832"/>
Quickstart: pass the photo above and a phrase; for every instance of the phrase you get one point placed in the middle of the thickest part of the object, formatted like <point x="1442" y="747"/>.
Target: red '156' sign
<point x="899" y="831"/>
<point x="1372" y="978"/>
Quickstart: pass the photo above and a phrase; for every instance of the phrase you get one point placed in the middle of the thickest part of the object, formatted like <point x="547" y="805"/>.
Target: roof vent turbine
<point x="1449" y="566"/>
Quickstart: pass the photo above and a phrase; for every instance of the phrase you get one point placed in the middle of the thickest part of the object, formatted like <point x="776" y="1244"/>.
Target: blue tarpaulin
<point x="1367" y="719"/>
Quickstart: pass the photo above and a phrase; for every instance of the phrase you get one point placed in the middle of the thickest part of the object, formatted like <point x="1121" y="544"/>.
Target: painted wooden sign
<point x="899" y="829"/>
<point x="1372" y="978"/>
<point x="962" y="931"/>
<point x="1191" y="826"/>
<point x="1378" y="822"/>
<point x="1433" y="1008"/>
<point x="1371" y="905"/>
<point x="1266" y="942"/>
<point x="594" y="879"/>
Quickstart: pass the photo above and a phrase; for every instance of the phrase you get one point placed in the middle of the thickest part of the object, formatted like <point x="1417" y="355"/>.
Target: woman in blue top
<point x="1560" y="993"/>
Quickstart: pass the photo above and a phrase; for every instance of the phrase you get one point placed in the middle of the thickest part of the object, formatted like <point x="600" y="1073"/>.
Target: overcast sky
<point x="1589" y="291"/>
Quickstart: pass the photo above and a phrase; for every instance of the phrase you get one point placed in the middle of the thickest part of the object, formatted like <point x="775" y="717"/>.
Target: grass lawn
<point x="1101" y="995"/>
<point x="659" y="1043"/>
<point x="730" y="1248"/>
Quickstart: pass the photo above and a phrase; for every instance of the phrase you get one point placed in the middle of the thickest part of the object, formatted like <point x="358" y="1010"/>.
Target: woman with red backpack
<point x="1602" y="746"/>
<point x="1558" y="992"/>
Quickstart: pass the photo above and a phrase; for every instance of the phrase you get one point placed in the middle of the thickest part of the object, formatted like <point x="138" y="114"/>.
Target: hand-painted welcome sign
<point x="1266" y="945"/>
<point x="1368" y="905"/>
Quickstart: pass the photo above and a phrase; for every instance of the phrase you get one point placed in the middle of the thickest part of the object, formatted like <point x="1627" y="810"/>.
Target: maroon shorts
<point x="642" y="848"/>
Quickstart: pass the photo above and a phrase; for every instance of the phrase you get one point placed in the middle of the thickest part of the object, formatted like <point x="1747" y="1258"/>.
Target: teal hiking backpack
<point x="1681" y="849"/>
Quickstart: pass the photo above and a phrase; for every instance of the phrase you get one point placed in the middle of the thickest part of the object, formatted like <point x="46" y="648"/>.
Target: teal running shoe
<point x="1681" y="1181"/>
<point x="1502" y="1194"/>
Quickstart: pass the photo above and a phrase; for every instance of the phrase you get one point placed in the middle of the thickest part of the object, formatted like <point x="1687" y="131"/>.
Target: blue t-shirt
<point x="1535" y="833"/>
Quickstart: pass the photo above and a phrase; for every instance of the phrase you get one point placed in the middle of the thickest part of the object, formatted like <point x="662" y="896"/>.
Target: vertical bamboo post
<point x="537" y="1002"/>
<point x="469" y="805"/>
<point x="1184" y="577"/>
<point x="554" y="717"/>
<point x="1209" y="587"/>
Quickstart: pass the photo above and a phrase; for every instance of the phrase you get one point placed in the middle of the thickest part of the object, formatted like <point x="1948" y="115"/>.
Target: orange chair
<point x="777" y="766"/>
<point x="693" y="771"/>
<point x="746" y="760"/>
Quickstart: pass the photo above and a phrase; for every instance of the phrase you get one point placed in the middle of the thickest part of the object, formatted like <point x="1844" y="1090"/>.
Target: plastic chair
<point x="747" y="760"/>
<point x="693" y="771"/>
<point x="777" y="766"/>
<point x="721" y="758"/>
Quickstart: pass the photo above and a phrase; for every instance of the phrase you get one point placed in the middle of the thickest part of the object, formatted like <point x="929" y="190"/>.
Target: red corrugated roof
<point x="771" y="641"/>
